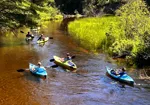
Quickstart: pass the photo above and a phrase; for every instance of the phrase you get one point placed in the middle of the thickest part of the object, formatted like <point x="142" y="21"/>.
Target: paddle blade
<point x="52" y="60"/>
<point x="54" y="66"/>
<point x="21" y="31"/>
<point x="73" y="57"/>
<point x="50" y="37"/>
<point x="21" y="70"/>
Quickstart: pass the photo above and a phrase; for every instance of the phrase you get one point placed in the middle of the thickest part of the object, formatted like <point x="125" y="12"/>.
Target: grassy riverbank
<point x="91" y="32"/>
<point x="103" y="33"/>
<point x="124" y="35"/>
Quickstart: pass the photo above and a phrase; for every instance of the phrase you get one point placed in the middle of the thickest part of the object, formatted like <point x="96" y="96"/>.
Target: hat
<point x="39" y="63"/>
<point x="68" y="54"/>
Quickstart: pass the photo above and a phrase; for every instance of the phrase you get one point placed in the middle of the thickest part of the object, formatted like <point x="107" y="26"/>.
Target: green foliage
<point x="94" y="7"/>
<point x="134" y="22"/>
<point x="17" y="13"/>
<point x="134" y="18"/>
<point x="134" y="33"/>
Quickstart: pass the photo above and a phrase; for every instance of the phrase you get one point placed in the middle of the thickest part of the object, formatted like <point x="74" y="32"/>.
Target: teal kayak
<point x="42" y="41"/>
<point x="124" y="78"/>
<point x="69" y="65"/>
<point x="38" y="71"/>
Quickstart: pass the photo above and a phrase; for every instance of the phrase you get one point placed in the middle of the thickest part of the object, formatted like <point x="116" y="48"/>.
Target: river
<point x="89" y="86"/>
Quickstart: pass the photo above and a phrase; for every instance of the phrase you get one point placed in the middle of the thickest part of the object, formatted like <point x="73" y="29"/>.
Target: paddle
<point x="52" y="60"/>
<point x="50" y="37"/>
<point x="54" y="66"/>
<point x="21" y="31"/>
<point x="22" y="70"/>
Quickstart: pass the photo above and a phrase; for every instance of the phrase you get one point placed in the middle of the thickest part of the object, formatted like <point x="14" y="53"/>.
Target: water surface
<point x="89" y="86"/>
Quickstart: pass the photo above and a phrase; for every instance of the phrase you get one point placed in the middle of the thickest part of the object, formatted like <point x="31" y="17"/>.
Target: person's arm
<point x="33" y="69"/>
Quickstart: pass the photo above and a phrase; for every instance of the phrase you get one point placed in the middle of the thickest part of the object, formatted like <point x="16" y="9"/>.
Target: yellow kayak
<point x="42" y="41"/>
<point x="65" y="64"/>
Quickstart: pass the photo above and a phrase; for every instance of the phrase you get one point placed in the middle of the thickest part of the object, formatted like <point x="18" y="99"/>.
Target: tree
<point x="134" y="30"/>
<point x="16" y="13"/>
<point x="134" y="17"/>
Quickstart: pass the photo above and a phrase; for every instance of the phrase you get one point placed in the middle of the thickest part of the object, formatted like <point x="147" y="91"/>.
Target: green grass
<point x="91" y="32"/>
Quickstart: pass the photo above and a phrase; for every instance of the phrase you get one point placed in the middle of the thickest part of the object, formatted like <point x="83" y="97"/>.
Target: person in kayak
<point x="119" y="72"/>
<point x="29" y="35"/>
<point x="113" y="72"/>
<point x="123" y="71"/>
<point x="39" y="66"/>
<point x="68" y="57"/>
<point x="41" y="37"/>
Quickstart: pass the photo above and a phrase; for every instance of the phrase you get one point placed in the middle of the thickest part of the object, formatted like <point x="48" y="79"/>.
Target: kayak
<point x="42" y="41"/>
<point x="38" y="71"/>
<point x="69" y="65"/>
<point x="124" y="78"/>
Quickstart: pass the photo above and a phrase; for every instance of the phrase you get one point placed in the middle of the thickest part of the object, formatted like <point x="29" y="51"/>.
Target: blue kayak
<point x="38" y="71"/>
<point x="124" y="78"/>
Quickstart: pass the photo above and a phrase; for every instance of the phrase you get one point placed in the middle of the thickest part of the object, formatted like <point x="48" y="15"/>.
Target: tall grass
<point x="91" y="32"/>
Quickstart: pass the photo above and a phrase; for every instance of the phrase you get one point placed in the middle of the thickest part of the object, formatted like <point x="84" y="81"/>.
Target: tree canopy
<point x="16" y="13"/>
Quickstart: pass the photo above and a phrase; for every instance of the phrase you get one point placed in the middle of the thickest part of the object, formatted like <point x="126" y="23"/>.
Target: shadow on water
<point x="31" y="77"/>
<point x="65" y="22"/>
<point x="89" y="86"/>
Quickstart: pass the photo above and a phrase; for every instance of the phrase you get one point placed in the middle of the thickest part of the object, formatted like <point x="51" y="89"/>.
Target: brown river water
<point x="89" y="86"/>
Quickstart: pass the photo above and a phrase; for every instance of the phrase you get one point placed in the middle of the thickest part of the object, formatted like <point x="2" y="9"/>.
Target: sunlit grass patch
<point x="91" y="32"/>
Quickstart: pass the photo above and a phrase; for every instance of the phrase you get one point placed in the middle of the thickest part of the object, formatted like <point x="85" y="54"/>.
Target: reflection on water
<point x="89" y="86"/>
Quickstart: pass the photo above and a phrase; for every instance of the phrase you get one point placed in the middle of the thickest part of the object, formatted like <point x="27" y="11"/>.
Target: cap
<point x="39" y="63"/>
<point x="68" y="54"/>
